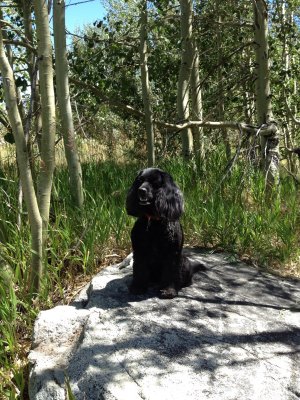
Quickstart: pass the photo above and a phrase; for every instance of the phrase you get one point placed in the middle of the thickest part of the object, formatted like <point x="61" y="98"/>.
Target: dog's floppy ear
<point x="132" y="206"/>
<point x="169" y="201"/>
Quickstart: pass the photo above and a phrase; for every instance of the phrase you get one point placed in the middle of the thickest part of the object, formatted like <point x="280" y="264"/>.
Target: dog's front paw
<point x="137" y="289"/>
<point x="168" y="293"/>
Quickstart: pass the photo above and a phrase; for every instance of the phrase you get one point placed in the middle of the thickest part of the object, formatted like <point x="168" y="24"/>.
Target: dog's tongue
<point x="144" y="202"/>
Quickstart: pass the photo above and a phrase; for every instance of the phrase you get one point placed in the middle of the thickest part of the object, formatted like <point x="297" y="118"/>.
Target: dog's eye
<point x="157" y="182"/>
<point x="139" y="179"/>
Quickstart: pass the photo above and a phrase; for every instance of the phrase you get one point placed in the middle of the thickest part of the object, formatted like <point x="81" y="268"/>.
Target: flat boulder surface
<point x="233" y="334"/>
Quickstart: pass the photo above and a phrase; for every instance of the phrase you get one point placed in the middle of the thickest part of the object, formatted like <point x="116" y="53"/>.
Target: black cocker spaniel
<point x="157" y="236"/>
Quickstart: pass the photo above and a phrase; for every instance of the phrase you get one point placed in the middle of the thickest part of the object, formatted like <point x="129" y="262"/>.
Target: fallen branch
<point x="264" y="130"/>
<point x="291" y="174"/>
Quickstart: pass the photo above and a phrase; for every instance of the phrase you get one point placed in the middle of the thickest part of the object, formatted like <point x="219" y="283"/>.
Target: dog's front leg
<point x="140" y="279"/>
<point x="169" y="277"/>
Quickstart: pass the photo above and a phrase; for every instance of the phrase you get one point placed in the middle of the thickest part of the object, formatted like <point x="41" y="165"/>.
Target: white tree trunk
<point x="15" y="120"/>
<point x="48" y="111"/>
<point x="221" y="106"/>
<point x="186" y="19"/>
<point x="269" y="144"/>
<point x="64" y="103"/>
<point x="197" y="108"/>
<point x="146" y="92"/>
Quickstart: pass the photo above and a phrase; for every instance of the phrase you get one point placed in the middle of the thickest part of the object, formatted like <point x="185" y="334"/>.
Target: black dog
<point x="157" y="236"/>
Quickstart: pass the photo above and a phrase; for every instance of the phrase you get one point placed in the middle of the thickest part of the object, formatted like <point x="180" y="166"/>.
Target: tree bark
<point x="186" y="18"/>
<point x="64" y="103"/>
<point x="15" y="120"/>
<point x="269" y="144"/>
<point x="48" y="111"/>
<point x="146" y="92"/>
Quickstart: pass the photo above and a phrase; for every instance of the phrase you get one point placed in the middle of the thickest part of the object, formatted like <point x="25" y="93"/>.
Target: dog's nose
<point x="142" y="193"/>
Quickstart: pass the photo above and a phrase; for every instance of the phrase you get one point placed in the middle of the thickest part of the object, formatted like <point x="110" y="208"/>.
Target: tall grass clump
<point x="224" y="210"/>
<point x="230" y="210"/>
<point x="79" y="243"/>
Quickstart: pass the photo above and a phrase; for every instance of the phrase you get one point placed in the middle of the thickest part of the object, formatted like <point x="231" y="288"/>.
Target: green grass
<point x="232" y="215"/>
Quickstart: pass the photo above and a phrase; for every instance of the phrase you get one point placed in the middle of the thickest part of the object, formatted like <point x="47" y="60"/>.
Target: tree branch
<point x="294" y="119"/>
<point x="20" y="43"/>
<point x="4" y="121"/>
<point x="114" y="103"/>
<point x="247" y="24"/>
<point x="23" y="43"/>
<point x="264" y="130"/>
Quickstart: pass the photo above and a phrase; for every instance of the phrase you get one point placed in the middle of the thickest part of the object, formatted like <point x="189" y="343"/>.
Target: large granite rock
<point x="234" y="334"/>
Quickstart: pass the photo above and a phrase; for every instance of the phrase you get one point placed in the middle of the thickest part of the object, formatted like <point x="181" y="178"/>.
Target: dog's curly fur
<point x="157" y="236"/>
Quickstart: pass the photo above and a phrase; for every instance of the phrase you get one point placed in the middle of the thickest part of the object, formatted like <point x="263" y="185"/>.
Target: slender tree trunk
<point x="286" y="16"/>
<point x="26" y="8"/>
<point x="48" y="111"/>
<point x="197" y="109"/>
<point x="31" y="66"/>
<point x="294" y="127"/>
<point x="64" y="103"/>
<point x="38" y="128"/>
<point x="286" y="63"/>
<point x="33" y="74"/>
<point x="80" y="123"/>
<point x="9" y="55"/>
<point x="248" y="100"/>
<point x="146" y="92"/>
<point x="269" y="143"/>
<point x="186" y="19"/>
<point x="221" y="106"/>
<point x="26" y="11"/>
<point x="15" y="120"/>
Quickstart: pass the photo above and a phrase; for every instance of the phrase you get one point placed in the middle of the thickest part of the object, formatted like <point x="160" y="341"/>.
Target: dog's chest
<point x="156" y="234"/>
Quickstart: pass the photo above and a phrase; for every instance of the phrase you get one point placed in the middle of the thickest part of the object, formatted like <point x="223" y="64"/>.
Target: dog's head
<point x="154" y="194"/>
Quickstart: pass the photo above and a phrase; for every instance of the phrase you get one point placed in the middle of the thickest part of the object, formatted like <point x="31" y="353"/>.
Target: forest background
<point x="207" y="90"/>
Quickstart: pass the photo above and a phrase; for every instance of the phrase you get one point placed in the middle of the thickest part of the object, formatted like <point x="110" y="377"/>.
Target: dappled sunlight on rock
<point x="233" y="334"/>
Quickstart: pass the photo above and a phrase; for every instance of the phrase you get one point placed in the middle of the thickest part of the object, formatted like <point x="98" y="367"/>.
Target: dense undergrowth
<point x="229" y="214"/>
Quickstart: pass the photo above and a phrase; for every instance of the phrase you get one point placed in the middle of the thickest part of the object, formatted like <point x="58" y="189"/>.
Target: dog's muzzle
<point x="144" y="196"/>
